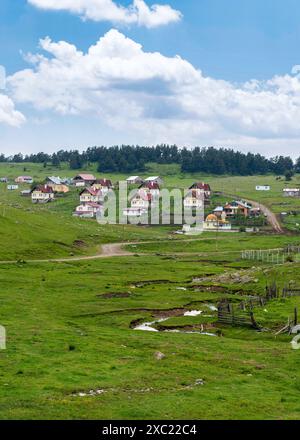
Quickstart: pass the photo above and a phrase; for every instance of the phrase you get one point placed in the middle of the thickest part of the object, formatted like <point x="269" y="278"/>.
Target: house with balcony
<point x="42" y="194"/>
<point x="90" y="194"/>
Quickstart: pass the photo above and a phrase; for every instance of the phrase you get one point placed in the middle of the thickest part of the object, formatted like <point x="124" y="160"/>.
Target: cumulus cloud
<point x="108" y="10"/>
<point x="8" y="114"/>
<point x="157" y="98"/>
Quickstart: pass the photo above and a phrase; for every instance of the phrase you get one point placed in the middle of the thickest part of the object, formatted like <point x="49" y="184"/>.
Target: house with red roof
<point x="42" y="194"/>
<point x="91" y="195"/>
<point x="104" y="184"/>
<point x="89" y="210"/>
<point x="202" y="188"/>
<point x="151" y="188"/>
<point x="84" y="179"/>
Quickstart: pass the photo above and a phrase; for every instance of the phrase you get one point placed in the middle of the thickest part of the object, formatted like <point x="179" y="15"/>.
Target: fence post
<point x="296" y="316"/>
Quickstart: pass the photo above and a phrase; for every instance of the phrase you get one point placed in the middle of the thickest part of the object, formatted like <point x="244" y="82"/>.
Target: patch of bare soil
<point x="240" y="277"/>
<point x="79" y="243"/>
<point x="115" y="295"/>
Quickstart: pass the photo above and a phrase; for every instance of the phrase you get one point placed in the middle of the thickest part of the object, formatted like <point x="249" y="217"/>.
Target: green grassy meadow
<point x="70" y="325"/>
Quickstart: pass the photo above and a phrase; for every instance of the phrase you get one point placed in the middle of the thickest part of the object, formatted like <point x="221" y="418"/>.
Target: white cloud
<point x="154" y="98"/>
<point x="8" y="114"/>
<point x="108" y="10"/>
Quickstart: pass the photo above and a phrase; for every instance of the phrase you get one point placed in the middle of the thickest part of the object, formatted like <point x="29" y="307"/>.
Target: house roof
<point x="150" y="185"/>
<point x="55" y="180"/>
<point x="219" y="209"/>
<point x="133" y="178"/>
<point x="211" y="218"/>
<point x="152" y="178"/>
<point x="201" y="185"/>
<point x="93" y="192"/>
<point x="85" y="177"/>
<point x="25" y="177"/>
<point x="44" y="189"/>
<point x="104" y="182"/>
<point x="291" y="189"/>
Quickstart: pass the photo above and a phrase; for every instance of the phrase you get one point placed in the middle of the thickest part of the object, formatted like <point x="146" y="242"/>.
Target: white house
<point x="291" y="192"/>
<point x="89" y="210"/>
<point x="151" y="188"/>
<point x="134" y="212"/>
<point x="262" y="187"/>
<point x="134" y="180"/>
<point x="141" y="200"/>
<point x="91" y="195"/>
<point x="193" y="199"/>
<point x="12" y="187"/>
<point x="154" y="179"/>
<point x="42" y="194"/>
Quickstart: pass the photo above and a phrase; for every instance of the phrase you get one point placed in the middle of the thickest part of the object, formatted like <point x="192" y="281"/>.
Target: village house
<point x="237" y="208"/>
<point x="263" y="188"/>
<point x="12" y="187"/>
<point x="134" y="212"/>
<point x="213" y="223"/>
<point x="26" y="193"/>
<point x="42" y="194"/>
<point x="202" y="188"/>
<point x="84" y="180"/>
<point x="57" y="185"/>
<point x="134" y="180"/>
<point x="104" y="184"/>
<point x="89" y="210"/>
<point x="291" y="192"/>
<point x="24" y="179"/>
<point x="141" y="200"/>
<point x="154" y="179"/>
<point x="91" y="195"/>
<point x="151" y="188"/>
<point x="3" y="179"/>
<point x="193" y="199"/>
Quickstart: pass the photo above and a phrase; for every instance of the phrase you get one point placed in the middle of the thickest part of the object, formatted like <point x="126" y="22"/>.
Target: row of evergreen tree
<point x="128" y="158"/>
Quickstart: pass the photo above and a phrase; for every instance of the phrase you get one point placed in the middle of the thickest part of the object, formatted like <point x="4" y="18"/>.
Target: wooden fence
<point x="274" y="256"/>
<point x="228" y="316"/>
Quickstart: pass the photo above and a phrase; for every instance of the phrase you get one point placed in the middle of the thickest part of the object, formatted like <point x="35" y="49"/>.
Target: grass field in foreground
<point x="66" y="336"/>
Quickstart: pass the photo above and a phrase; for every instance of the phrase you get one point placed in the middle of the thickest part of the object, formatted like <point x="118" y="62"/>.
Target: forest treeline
<point x="129" y="159"/>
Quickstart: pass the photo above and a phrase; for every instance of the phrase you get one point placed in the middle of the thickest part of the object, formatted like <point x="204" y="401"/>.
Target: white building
<point x="193" y="199"/>
<point x="89" y="210"/>
<point x="291" y="192"/>
<point x="134" y="212"/>
<point x="134" y="180"/>
<point x="42" y="194"/>
<point x="262" y="187"/>
<point x="154" y="179"/>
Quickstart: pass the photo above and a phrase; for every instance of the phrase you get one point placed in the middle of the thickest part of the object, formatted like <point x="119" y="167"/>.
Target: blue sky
<point x="228" y="40"/>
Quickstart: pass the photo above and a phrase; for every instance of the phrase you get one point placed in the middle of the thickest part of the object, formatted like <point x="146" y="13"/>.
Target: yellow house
<point x="59" y="188"/>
